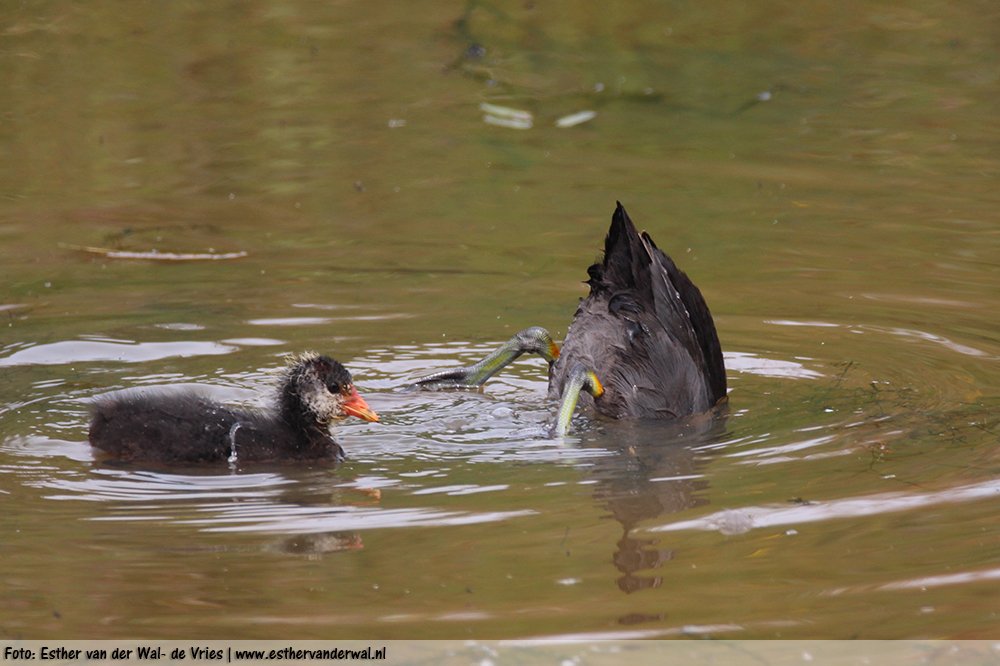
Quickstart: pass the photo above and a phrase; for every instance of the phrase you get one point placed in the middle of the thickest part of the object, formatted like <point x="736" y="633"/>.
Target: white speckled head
<point x="324" y="388"/>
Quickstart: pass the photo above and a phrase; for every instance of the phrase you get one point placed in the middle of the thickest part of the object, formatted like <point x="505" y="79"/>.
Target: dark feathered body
<point x="189" y="428"/>
<point x="194" y="429"/>
<point x="645" y="331"/>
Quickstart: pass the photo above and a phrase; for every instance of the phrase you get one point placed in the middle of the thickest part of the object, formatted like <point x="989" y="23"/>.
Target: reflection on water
<point x="806" y="512"/>
<point x="620" y="516"/>
<point x="742" y="362"/>
<point x="655" y="471"/>
<point x="443" y="465"/>
<point x="453" y="461"/>
<point x="84" y="351"/>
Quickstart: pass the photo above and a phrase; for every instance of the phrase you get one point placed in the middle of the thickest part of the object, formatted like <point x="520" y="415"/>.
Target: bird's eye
<point x="333" y="387"/>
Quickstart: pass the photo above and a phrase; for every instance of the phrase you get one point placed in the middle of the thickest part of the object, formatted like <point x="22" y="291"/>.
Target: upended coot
<point x="642" y="344"/>
<point x="188" y="428"/>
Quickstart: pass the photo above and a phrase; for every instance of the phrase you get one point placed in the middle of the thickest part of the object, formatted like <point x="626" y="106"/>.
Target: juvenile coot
<point x="187" y="428"/>
<point x="642" y="344"/>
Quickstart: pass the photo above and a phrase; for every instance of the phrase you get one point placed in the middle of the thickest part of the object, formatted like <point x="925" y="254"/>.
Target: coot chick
<point x="642" y="344"/>
<point x="188" y="428"/>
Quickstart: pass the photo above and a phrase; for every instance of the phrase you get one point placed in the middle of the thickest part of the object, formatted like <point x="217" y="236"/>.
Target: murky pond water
<point x="827" y="176"/>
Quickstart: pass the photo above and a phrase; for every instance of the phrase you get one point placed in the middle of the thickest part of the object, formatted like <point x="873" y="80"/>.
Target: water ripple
<point x="853" y="507"/>
<point x="89" y="351"/>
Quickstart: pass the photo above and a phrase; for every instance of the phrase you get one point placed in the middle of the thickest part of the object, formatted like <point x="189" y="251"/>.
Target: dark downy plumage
<point x="189" y="428"/>
<point x="645" y="332"/>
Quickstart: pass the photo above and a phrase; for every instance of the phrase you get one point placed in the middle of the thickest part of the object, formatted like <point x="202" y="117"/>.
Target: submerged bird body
<point x="642" y="344"/>
<point x="645" y="332"/>
<point x="189" y="428"/>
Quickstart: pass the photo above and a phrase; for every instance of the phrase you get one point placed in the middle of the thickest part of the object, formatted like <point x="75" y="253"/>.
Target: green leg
<point x="532" y="340"/>
<point x="580" y="377"/>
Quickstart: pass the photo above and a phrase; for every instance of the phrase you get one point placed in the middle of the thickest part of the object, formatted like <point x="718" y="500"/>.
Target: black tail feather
<point x="626" y="267"/>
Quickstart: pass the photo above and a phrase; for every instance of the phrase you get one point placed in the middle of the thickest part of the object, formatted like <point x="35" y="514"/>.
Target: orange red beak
<point x="355" y="405"/>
